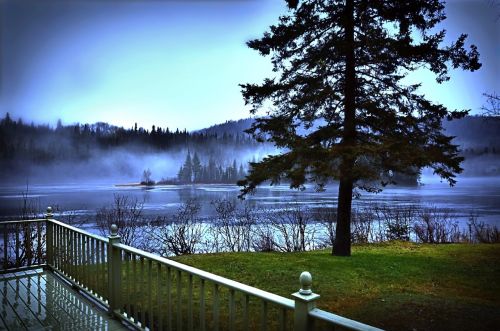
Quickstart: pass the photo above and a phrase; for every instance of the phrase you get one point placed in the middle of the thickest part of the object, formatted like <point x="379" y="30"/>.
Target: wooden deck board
<point x="38" y="300"/>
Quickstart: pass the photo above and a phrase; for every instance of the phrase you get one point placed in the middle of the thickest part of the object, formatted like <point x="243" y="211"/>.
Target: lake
<point x="479" y="196"/>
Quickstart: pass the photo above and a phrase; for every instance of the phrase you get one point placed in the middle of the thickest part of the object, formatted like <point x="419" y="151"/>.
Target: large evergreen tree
<point x="339" y="106"/>
<point x="197" y="168"/>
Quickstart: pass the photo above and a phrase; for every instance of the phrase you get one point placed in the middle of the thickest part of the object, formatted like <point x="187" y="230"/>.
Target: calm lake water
<point x="480" y="196"/>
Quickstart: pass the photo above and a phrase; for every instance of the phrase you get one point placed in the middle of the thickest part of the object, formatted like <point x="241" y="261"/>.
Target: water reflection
<point x="479" y="196"/>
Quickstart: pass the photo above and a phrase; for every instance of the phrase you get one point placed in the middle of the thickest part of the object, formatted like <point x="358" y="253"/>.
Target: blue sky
<point x="173" y="63"/>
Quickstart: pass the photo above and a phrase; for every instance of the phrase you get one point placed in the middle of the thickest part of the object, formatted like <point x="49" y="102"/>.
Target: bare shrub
<point x="126" y="213"/>
<point x="396" y="222"/>
<point x="328" y="218"/>
<point x="246" y="219"/>
<point x="181" y="235"/>
<point x="482" y="232"/>
<point x="23" y="244"/>
<point x="263" y="238"/>
<point x="436" y="226"/>
<point x="232" y="228"/>
<point x="290" y="227"/>
<point x="361" y="226"/>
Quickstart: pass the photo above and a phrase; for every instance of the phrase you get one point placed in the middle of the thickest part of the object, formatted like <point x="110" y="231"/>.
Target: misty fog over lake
<point x="478" y="196"/>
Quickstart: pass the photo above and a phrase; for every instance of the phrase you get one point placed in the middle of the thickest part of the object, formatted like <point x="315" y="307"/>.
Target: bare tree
<point x="327" y="217"/>
<point x="227" y="225"/>
<point x="436" y="226"/>
<point x="482" y="232"/>
<point x="362" y="229"/>
<point x="146" y="178"/>
<point x="290" y="227"/>
<point x="126" y="213"/>
<point x="181" y="235"/>
<point x="492" y="107"/>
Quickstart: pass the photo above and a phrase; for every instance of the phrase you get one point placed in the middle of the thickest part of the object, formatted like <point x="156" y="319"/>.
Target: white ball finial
<point x="49" y="212"/>
<point x="114" y="230"/>
<point x="305" y="283"/>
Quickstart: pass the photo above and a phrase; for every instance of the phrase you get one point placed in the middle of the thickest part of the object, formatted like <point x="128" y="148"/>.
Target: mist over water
<point x="80" y="168"/>
<point x="117" y="166"/>
<point x="471" y="196"/>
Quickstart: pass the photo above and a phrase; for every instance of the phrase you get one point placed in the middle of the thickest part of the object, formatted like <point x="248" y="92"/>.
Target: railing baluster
<point x="64" y="258"/>
<point x="169" y="298"/>
<point x="39" y="242"/>
<point x="231" y="309"/>
<point x="86" y="262"/>
<point x="88" y="265"/>
<point x="246" y="303"/>
<point x="84" y="259"/>
<point x="57" y="248"/>
<point x="190" y="302"/>
<point x="103" y="270"/>
<point x="60" y="247"/>
<point x="282" y="319"/>
<point x="27" y="243"/>
<point x="71" y="253"/>
<point x="64" y="249"/>
<point x="93" y="257"/>
<point x="136" y="303"/>
<point x="143" y="322"/>
<point x="179" y="300"/>
<point x="150" y="294"/>
<point x="263" y="320"/>
<point x="5" y="247"/>
<point x="18" y="261"/>
<point x="76" y="256"/>
<point x="97" y="271"/>
<point x="216" y="306"/>
<point x="159" y="315"/>
<point x="128" y="276"/>
<point x="202" y="304"/>
<point x="67" y="250"/>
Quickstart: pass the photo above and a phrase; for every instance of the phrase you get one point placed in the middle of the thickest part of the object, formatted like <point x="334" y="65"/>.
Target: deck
<point x="39" y="300"/>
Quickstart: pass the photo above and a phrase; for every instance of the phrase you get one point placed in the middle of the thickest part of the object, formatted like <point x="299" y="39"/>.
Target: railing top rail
<point x="341" y="321"/>
<point x="23" y="221"/>
<point x="72" y="228"/>
<point x="267" y="296"/>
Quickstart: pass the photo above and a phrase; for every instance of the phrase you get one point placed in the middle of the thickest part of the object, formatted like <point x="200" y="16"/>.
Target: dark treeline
<point x="42" y="144"/>
<point x="195" y="170"/>
<point x="26" y="150"/>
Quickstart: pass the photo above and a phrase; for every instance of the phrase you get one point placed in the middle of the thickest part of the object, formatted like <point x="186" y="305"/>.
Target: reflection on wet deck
<point x="38" y="300"/>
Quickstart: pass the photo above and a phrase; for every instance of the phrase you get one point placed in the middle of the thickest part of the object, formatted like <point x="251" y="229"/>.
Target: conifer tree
<point x="186" y="172"/>
<point x="197" y="168"/>
<point x="340" y="107"/>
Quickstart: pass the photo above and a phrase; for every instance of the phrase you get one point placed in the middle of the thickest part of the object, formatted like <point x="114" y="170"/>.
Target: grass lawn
<point x="395" y="286"/>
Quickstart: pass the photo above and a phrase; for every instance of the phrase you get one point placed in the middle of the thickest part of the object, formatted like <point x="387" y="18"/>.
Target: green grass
<point x="395" y="286"/>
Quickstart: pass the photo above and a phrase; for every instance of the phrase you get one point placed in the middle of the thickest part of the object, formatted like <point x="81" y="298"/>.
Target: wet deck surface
<point x="38" y="300"/>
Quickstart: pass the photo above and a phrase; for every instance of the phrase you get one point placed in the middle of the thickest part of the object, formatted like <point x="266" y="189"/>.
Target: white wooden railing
<point x="153" y="293"/>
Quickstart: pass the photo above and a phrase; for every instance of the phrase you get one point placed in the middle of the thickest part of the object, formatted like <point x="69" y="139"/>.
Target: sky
<point x="176" y="64"/>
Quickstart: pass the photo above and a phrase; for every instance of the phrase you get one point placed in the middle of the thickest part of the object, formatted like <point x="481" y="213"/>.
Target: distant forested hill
<point x="229" y="127"/>
<point x="219" y="153"/>
<point x="475" y="132"/>
<point x="479" y="140"/>
<point x="102" y="150"/>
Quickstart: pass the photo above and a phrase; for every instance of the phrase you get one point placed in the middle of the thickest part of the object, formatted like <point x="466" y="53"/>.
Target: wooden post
<point x="114" y="272"/>
<point x="49" y="237"/>
<point x="305" y="301"/>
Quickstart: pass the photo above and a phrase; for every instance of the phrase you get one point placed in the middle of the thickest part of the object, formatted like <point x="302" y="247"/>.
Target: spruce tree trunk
<point x="342" y="246"/>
